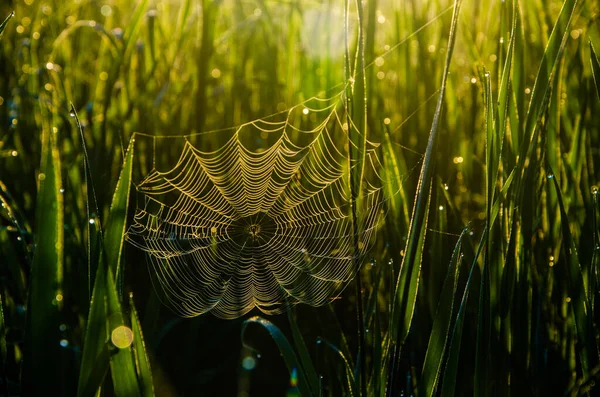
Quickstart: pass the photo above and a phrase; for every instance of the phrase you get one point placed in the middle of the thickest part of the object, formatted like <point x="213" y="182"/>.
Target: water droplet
<point x="62" y="190"/>
<point x="487" y="74"/>
<point x="41" y="176"/>
<point x="550" y="176"/>
<point x="248" y="363"/>
<point x="595" y="190"/>
<point x="445" y="187"/>
<point x="72" y="114"/>
<point x="501" y="40"/>
<point x="305" y="111"/>
<point x="367" y="331"/>
<point x="92" y="221"/>
<point x="441" y="207"/>
<point x="319" y="341"/>
<point x="122" y="337"/>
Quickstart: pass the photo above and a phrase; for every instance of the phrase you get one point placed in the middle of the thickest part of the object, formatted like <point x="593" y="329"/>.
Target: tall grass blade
<point x="408" y="280"/>
<point x="115" y="230"/>
<point x="586" y="340"/>
<point x="440" y="334"/>
<point x="305" y="360"/>
<point x="41" y="357"/>
<point x="142" y="362"/>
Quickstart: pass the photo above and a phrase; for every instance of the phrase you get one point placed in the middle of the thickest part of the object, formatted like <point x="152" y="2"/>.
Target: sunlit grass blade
<point x="595" y="67"/>
<point x="286" y="350"/>
<point x="408" y="280"/>
<point x="122" y="363"/>
<point x="41" y="358"/>
<point x="436" y="348"/>
<point x="117" y="218"/>
<point x="586" y="340"/>
<point x="142" y="362"/>
<point x="543" y="80"/>
<point x="349" y="381"/>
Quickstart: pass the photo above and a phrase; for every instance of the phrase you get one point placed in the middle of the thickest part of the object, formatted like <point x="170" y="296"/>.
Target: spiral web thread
<point x="231" y="229"/>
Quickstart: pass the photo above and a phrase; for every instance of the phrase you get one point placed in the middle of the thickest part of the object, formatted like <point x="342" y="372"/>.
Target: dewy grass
<point x="502" y="297"/>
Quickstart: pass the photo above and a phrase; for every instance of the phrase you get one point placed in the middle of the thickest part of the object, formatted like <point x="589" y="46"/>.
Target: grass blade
<point x="5" y="22"/>
<point x="41" y="371"/>
<point x="595" y="67"/>
<point x="407" y="284"/>
<point x="586" y="341"/>
<point x="305" y="360"/>
<point x="117" y="218"/>
<point x="441" y="326"/>
<point x="286" y="350"/>
<point x="142" y="361"/>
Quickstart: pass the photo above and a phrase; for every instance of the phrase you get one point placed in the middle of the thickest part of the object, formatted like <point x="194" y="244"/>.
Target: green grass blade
<point x="97" y="372"/>
<point x="305" y="360"/>
<point x="142" y="362"/>
<point x="117" y="218"/>
<point x="408" y="280"/>
<point x="122" y="363"/>
<point x="441" y="326"/>
<point x="41" y="371"/>
<point x="595" y="67"/>
<point x="286" y="350"/>
<point x="586" y="340"/>
<point x="5" y="22"/>
<point x="543" y="79"/>
<point x="350" y="381"/>
<point x="96" y="335"/>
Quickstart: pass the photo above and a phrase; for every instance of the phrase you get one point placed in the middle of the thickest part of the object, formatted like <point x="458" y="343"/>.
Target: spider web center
<point x="253" y="231"/>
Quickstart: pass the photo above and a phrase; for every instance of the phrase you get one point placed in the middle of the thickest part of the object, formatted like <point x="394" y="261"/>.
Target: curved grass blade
<point x="586" y="341"/>
<point x="286" y="350"/>
<point x="41" y="360"/>
<point x="142" y="362"/>
<point x="441" y="326"/>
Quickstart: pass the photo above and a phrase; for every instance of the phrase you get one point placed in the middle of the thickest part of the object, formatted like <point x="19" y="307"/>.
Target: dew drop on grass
<point x="595" y="190"/>
<point x="248" y="363"/>
<point x="72" y="114"/>
<point x="319" y="341"/>
<point x="551" y="176"/>
<point x="122" y="337"/>
<point x="92" y="221"/>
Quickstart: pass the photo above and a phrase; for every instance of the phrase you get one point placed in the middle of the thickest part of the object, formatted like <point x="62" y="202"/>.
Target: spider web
<point x="264" y="220"/>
